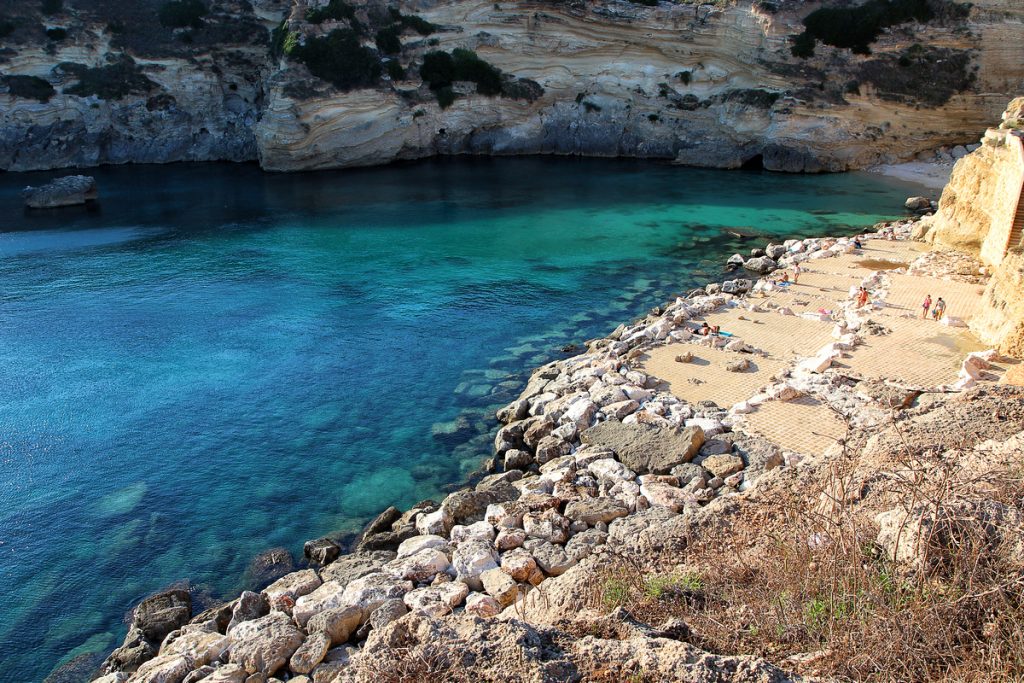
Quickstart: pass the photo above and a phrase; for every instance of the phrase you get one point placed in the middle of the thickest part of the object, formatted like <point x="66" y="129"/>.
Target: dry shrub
<point x="406" y="661"/>
<point x="805" y="585"/>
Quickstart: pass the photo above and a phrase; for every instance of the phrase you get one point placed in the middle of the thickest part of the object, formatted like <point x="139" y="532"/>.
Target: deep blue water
<point x="218" y="361"/>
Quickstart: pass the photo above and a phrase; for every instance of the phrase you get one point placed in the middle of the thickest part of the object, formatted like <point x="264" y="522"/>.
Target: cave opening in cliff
<point x="754" y="163"/>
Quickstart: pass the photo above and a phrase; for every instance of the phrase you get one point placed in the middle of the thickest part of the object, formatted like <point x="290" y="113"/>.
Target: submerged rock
<point x="268" y="567"/>
<point x="71" y="190"/>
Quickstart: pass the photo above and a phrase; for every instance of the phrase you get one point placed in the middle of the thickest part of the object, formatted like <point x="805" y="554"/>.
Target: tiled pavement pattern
<point x="804" y="425"/>
<point x="706" y="379"/>
<point x="917" y="352"/>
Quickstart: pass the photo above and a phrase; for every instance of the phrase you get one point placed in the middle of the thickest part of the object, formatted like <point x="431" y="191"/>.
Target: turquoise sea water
<point x="218" y="361"/>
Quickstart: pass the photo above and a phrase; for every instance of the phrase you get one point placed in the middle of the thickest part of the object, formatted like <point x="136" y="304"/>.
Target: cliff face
<point x="118" y="86"/>
<point x="712" y="84"/>
<point x="981" y="211"/>
<point x="700" y="84"/>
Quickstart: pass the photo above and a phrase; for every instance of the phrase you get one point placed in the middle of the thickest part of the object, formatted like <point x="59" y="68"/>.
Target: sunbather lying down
<point x="709" y="330"/>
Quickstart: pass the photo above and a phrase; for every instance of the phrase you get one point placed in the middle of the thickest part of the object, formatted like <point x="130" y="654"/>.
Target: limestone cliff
<point x="708" y="84"/>
<point x="702" y="84"/>
<point x="106" y="83"/>
<point x="982" y="211"/>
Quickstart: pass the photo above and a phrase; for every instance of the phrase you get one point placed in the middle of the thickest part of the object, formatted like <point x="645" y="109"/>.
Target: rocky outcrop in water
<point x="701" y="84"/>
<point x="70" y="190"/>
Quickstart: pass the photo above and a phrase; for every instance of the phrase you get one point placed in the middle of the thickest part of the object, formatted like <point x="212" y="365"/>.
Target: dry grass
<point x="407" y="661"/>
<point x="802" y="581"/>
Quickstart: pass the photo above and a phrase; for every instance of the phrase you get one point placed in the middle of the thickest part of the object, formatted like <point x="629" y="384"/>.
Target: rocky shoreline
<point x="592" y="447"/>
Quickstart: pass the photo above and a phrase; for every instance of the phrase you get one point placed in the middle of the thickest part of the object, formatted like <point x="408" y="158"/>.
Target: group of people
<point x="938" y="310"/>
<point x="862" y="297"/>
<point x="708" y="330"/>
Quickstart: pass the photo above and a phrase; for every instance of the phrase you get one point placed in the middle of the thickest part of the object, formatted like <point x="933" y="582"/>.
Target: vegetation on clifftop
<point x="858" y="26"/>
<point x="29" y="87"/>
<point x="339" y="59"/>
<point x="183" y="13"/>
<point x="110" y="82"/>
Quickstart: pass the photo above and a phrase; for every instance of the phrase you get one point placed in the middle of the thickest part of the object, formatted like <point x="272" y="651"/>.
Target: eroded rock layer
<point x="702" y="84"/>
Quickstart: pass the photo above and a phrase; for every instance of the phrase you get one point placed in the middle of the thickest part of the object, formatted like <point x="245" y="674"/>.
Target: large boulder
<point x="473" y="558"/>
<point x="350" y="567"/>
<point x="152" y="620"/>
<point x="321" y="550"/>
<point x="917" y="204"/>
<point x="200" y="647"/>
<point x="723" y="465"/>
<point x="170" y="668"/>
<point x="590" y="511"/>
<point x="266" y="644"/>
<point x="761" y="265"/>
<point x="370" y="591"/>
<point x="420" y="566"/>
<point x="249" y="606"/>
<point x="466" y="507"/>
<point x="70" y="190"/>
<point x="338" y="624"/>
<point x="759" y="455"/>
<point x="159" y="614"/>
<point x="293" y="585"/>
<point x="437" y="600"/>
<point x="646" y="448"/>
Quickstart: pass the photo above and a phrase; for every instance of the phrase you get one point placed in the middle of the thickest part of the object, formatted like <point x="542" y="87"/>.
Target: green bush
<point x="112" y="82"/>
<point x="418" y="24"/>
<point x="438" y="69"/>
<point x="182" y="13"/>
<point x="29" y="88"/>
<point x="919" y="74"/>
<point x="445" y="96"/>
<point x="803" y="45"/>
<point x="441" y="69"/>
<point x="469" y="67"/>
<point x="395" y="70"/>
<point x="339" y="59"/>
<point x="521" y="89"/>
<point x="857" y="27"/>
<point x="387" y="41"/>
<point x="50" y="7"/>
<point x="335" y="10"/>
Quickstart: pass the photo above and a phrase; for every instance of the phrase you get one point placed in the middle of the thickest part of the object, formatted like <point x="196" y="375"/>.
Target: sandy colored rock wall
<point x="1001" y="320"/>
<point x="704" y="85"/>
<point x="612" y="87"/>
<point x="978" y="205"/>
<point x="976" y="214"/>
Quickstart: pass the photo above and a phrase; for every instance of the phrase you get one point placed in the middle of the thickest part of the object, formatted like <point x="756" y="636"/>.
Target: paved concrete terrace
<point x="916" y="352"/>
